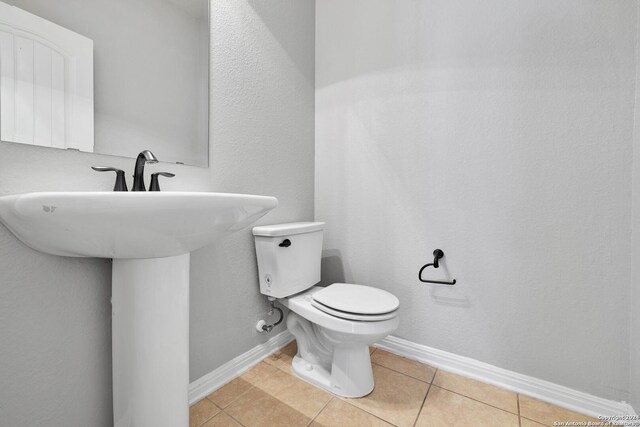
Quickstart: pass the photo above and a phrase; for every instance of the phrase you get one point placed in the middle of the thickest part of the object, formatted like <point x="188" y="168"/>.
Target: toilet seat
<point x="353" y="316"/>
<point x="302" y="304"/>
<point x="356" y="302"/>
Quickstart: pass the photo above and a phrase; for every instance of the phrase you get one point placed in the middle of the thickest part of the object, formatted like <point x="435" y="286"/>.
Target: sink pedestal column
<point x="150" y="306"/>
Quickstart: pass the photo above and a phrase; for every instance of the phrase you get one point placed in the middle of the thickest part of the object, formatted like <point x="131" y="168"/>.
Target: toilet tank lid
<point x="287" y="229"/>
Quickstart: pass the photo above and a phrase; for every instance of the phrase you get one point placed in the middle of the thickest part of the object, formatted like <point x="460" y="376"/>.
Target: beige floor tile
<point x="256" y="408"/>
<point x="258" y="373"/>
<point x="295" y="393"/>
<point x="282" y="358"/>
<point x="234" y="389"/>
<point x="201" y="412"/>
<point x="402" y="364"/>
<point x="290" y="349"/>
<point x="486" y="393"/>
<point x="396" y="398"/>
<point x="443" y="408"/>
<point x="528" y="423"/>
<point x="229" y="392"/>
<point x="339" y="414"/>
<point x="547" y="413"/>
<point x="222" y="420"/>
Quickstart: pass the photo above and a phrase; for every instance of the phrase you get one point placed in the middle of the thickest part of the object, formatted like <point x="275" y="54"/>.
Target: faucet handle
<point x="155" y="184"/>
<point x="121" y="183"/>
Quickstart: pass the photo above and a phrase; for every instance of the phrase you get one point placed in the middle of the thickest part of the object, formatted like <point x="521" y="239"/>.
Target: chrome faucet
<point x="145" y="156"/>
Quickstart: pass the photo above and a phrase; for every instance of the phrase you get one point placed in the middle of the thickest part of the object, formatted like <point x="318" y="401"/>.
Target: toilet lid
<point x="357" y="299"/>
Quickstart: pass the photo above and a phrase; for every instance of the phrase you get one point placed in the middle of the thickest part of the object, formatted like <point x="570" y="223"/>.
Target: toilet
<point x="333" y="325"/>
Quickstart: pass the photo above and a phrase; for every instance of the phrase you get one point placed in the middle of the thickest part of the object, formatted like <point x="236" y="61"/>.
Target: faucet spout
<point x="145" y="156"/>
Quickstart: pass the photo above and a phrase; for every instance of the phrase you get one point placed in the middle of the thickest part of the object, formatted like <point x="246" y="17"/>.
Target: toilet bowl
<point x="333" y="352"/>
<point x="334" y="325"/>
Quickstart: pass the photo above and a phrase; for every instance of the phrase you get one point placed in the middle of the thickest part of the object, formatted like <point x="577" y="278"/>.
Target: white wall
<point x="55" y="323"/>
<point x="150" y="72"/>
<point x="501" y="132"/>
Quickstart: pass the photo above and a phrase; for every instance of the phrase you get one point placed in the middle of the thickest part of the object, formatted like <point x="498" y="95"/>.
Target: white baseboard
<point x="233" y="368"/>
<point x="543" y="390"/>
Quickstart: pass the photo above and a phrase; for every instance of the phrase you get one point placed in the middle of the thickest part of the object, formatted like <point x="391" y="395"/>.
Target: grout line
<point x="233" y="400"/>
<point x="435" y="373"/>
<point x="406" y="375"/>
<point x="233" y="418"/>
<point x="344" y="399"/>
<point x="208" y="419"/>
<point x="286" y="369"/>
<point x="536" y="422"/>
<point x="452" y="391"/>
<point x="519" y="416"/>
<point x="480" y="401"/>
<point x="261" y="379"/>
<point x="425" y="399"/>
<point x="219" y="412"/>
<point x="320" y="411"/>
<point x="476" y="400"/>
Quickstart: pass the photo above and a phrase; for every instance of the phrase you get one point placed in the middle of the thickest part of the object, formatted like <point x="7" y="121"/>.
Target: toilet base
<point x="333" y="353"/>
<point x="332" y="361"/>
<point x="319" y="376"/>
<point x="311" y="373"/>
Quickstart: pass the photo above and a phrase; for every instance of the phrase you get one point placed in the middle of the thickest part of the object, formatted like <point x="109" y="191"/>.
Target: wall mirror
<point x="107" y="76"/>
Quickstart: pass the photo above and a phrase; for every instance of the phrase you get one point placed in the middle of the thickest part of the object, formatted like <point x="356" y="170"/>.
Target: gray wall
<point x="635" y="283"/>
<point x="150" y="73"/>
<point x="262" y="111"/>
<point x="501" y="132"/>
<point x="55" y="326"/>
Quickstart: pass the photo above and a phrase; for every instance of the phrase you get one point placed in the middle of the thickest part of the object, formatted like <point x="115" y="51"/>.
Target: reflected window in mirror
<point x="109" y="76"/>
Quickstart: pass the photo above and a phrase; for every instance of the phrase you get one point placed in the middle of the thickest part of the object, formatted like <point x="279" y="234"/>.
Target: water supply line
<point x="262" y="326"/>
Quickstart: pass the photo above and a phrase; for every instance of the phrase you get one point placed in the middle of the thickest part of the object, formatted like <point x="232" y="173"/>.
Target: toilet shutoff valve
<point x="262" y="325"/>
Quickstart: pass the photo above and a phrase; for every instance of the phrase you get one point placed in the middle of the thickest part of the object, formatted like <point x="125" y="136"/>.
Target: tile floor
<point x="407" y="394"/>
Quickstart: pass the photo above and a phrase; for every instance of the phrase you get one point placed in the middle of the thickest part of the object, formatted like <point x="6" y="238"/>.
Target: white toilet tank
<point x="289" y="257"/>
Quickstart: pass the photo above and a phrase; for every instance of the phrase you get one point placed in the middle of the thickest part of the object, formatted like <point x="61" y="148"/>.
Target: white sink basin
<point x="127" y="225"/>
<point x="150" y="237"/>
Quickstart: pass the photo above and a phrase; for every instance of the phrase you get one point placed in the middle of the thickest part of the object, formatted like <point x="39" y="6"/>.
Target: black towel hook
<point x="438" y="254"/>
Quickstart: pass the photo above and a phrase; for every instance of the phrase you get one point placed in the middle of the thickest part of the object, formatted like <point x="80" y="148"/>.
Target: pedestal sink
<point x="149" y="236"/>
